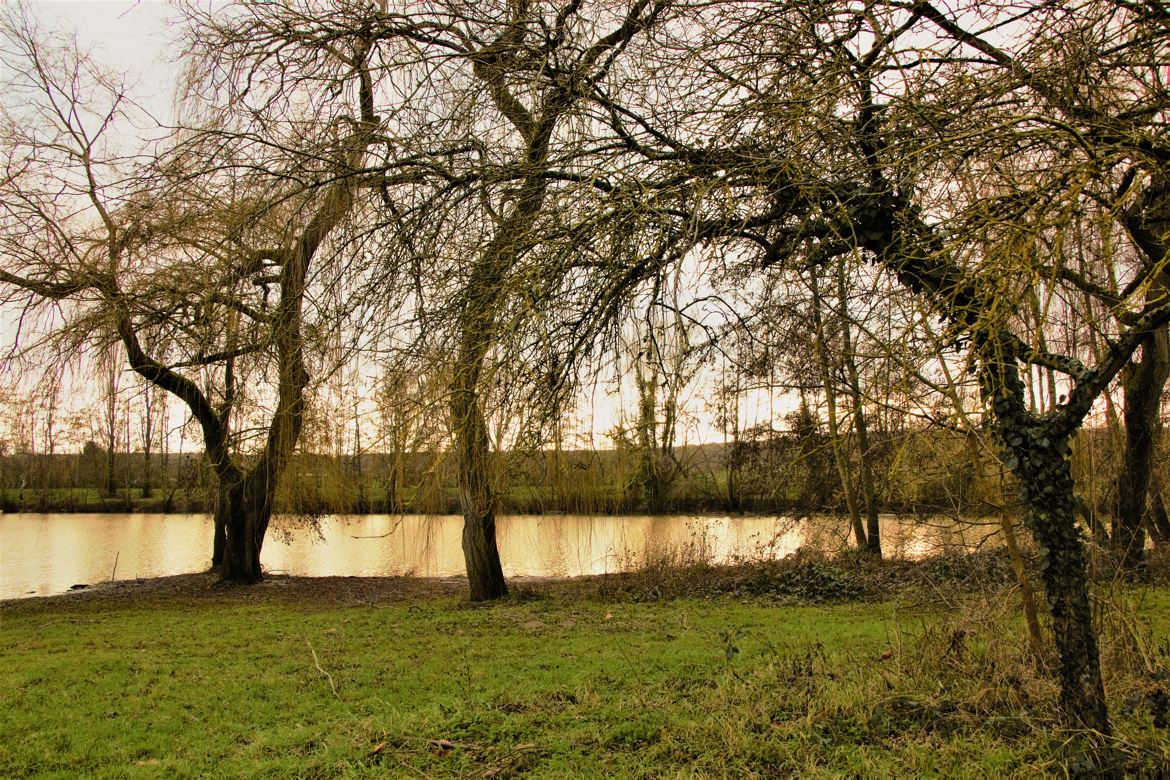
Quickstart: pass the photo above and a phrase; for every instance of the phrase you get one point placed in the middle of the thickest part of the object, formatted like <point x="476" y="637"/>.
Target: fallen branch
<point x="332" y="685"/>
<point x="378" y="536"/>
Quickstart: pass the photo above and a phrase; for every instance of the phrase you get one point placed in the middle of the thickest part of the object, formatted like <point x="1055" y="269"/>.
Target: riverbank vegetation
<point x="810" y="667"/>
<point x="927" y="471"/>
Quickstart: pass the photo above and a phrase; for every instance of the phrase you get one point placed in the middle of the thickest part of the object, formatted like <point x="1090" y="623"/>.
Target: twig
<point x="332" y="685"/>
<point x="379" y="536"/>
<point x="413" y="769"/>
<point x="115" y="571"/>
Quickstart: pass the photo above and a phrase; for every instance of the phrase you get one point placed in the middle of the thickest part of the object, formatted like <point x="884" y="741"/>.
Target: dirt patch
<point x="805" y="578"/>
<point x="205" y="588"/>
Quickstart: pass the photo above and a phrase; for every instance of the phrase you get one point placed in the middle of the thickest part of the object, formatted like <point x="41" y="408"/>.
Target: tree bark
<point x="1019" y="565"/>
<point x="873" y="534"/>
<point x="732" y="453"/>
<point x="1038" y="453"/>
<point x="840" y="457"/>
<point x="393" y="504"/>
<point x="1159" y="518"/>
<point x="1142" y="385"/>
<point x="147" y="442"/>
<point x="485" y="574"/>
<point x="223" y="510"/>
<point x="1048" y="487"/>
<point x="249" y="509"/>
<point x="1027" y="594"/>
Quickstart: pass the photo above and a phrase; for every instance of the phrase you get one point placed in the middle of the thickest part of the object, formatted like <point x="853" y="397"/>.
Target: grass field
<point x="284" y="681"/>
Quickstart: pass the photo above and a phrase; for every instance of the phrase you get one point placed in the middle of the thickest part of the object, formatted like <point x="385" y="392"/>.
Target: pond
<point x="42" y="554"/>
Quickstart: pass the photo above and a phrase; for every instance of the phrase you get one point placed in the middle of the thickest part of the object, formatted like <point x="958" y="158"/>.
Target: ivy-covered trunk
<point x="1046" y="477"/>
<point x="1038" y="452"/>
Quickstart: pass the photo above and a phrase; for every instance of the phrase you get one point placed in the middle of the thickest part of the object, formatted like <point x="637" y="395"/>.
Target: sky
<point x="132" y="37"/>
<point x="136" y="38"/>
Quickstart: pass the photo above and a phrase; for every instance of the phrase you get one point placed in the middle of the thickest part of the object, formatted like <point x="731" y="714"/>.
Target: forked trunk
<point x="1039" y="454"/>
<point x="249" y="503"/>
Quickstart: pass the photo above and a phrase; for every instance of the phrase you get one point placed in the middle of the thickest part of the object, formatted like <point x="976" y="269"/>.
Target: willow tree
<point x="1083" y="137"/>
<point x="1037" y="152"/>
<point x="1047" y="152"/>
<point x="842" y="130"/>
<point x="197" y="261"/>
<point x="500" y="125"/>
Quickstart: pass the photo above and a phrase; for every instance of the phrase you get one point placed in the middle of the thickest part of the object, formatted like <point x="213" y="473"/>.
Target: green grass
<point x="553" y="686"/>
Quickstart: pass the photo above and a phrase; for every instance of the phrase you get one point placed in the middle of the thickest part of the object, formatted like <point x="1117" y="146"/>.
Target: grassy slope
<point x="552" y="686"/>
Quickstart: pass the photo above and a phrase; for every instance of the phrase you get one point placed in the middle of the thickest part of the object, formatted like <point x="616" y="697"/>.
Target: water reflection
<point x="43" y="554"/>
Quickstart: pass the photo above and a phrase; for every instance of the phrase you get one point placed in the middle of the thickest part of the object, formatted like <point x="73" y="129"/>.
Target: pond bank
<point x="808" y="576"/>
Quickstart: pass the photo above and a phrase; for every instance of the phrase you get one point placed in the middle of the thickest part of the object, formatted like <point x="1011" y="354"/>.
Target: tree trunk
<point x="147" y="442"/>
<point x="485" y="574"/>
<point x="223" y="510"/>
<point x="732" y="450"/>
<point x="147" y="487"/>
<point x="1042" y="466"/>
<point x="873" y="529"/>
<point x="1159" y="519"/>
<point x="1053" y="515"/>
<point x="111" y="481"/>
<point x="1142" y="384"/>
<point x="111" y="431"/>
<point x="1019" y="565"/>
<point x="248" y="511"/>
<point x="392" y="503"/>
<point x="873" y="535"/>
<point x="836" y="440"/>
<point x="1027" y="594"/>
<point x="1096" y="527"/>
<point x="1038" y="450"/>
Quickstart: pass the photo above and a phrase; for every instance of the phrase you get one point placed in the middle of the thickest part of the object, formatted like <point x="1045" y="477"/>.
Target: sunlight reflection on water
<point x="42" y="554"/>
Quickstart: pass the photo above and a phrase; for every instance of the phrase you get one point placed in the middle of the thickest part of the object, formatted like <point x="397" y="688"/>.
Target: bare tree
<point x="851" y="150"/>
<point x="508" y="139"/>
<point x="189" y="257"/>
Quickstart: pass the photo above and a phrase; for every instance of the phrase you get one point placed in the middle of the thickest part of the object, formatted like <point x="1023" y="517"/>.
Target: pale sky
<point x="134" y="37"/>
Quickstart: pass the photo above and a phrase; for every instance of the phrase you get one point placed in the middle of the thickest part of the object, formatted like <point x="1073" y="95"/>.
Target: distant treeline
<point x="929" y="470"/>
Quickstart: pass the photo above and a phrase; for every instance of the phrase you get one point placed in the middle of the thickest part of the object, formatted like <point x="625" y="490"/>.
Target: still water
<point x="41" y="554"/>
